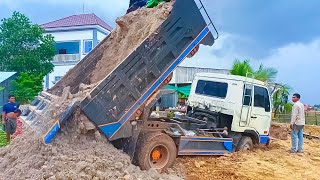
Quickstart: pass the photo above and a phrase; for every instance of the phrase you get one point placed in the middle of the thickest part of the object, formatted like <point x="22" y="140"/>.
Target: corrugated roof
<point x="77" y="20"/>
<point x="5" y="75"/>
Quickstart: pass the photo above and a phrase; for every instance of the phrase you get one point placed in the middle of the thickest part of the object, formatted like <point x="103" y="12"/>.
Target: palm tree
<point x="265" y="74"/>
<point x="241" y="68"/>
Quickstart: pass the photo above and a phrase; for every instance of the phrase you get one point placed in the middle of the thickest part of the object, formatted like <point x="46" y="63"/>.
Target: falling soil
<point x="79" y="151"/>
<point x="131" y="30"/>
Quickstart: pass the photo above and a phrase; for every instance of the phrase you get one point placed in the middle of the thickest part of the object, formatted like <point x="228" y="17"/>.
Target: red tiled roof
<point x="77" y="20"/>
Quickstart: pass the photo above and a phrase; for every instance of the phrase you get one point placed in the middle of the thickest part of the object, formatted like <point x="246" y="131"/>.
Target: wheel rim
<point x="159" y="157"/>
<point x="246" y="147"/>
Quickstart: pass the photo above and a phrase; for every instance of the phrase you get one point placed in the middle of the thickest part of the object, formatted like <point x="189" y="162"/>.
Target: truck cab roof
<point x="229" y="77"/>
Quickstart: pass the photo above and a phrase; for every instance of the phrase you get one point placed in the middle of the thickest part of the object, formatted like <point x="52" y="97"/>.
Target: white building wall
<point x="59" y="70"/>
<point x="100" y="36"/>
<point x="64" y="36"/>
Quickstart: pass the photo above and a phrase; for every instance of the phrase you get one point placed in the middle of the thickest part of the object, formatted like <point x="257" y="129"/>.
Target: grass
<point x="3" y="138"/>
<point x="311" y="120"/>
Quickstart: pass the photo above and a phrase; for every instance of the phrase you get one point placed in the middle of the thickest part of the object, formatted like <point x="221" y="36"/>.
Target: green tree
<point x="241" y="68"/>
<point x="26" y="87"/>
<point x="265" y="74"/>
<point x="280" y="98"/>
<point x="24" y="47"/>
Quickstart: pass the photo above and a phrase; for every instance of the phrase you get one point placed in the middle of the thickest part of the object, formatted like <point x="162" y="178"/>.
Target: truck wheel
<point x="157" y="151"/>
<point x="245" y="144"/>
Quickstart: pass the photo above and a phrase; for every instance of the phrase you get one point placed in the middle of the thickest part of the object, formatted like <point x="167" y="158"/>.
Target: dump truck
<point x="121" y="103"/>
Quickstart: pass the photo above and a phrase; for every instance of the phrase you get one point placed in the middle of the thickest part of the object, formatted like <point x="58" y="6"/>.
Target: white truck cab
<point x="242" y="104"/>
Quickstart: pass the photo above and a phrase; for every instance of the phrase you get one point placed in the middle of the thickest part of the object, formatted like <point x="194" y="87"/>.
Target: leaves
<point x="26" y="87"/>
<point x="265" y="74"/>
<point x="24" y="47"/>
<point x="26" y="50"/>
<point x="241" y="68"/>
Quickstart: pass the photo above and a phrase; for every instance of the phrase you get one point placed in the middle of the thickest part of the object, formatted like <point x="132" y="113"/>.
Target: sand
<point x="78" y="152"/>
<point x="130" y="31"/>
<point x="273" y="162"/>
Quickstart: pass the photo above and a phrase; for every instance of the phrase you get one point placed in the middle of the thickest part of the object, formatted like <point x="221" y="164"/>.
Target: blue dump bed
<point x="113" y="103"/>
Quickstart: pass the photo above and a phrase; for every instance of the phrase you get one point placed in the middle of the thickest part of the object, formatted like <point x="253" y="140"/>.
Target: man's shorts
<point x="10" y="126"/>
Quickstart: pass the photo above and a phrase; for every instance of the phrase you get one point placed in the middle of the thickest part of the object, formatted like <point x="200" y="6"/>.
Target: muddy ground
<point x="272" y="162"/>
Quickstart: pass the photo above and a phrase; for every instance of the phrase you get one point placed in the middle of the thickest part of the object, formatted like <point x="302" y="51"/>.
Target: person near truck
<point x="297" y="124"/>
<point x="8" y="108"/>
<point x="10" y="125"/>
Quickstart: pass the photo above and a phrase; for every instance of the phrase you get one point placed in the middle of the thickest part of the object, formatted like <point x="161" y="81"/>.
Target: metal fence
<point x="312" y="117"/>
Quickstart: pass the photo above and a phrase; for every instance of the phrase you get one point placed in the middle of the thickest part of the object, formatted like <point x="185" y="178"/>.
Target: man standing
<point x="11" y="123"/>
<point x="9" y="107"/>
<point x="297" y="124"/>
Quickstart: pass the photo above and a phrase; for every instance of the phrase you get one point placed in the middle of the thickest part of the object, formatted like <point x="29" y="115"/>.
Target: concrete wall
<point x="186" y="74"/>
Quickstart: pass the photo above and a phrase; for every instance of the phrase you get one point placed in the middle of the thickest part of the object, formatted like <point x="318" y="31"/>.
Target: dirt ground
<point x="78" y="152"/>
<point x="272" y="162"/>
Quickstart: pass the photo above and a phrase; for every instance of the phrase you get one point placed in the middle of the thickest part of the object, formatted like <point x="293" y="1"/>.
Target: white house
<point x="75" y="36"/>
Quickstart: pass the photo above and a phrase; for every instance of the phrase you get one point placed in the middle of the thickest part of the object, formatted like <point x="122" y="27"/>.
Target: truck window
<point x="261" y="98"/>
<point x="211" y="88"/>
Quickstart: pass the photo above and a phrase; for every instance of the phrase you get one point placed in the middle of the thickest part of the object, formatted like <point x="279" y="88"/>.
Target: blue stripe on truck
<point x="110" y="129"/>
<point x="51" y="133"/>
<point x="264" y="139"/>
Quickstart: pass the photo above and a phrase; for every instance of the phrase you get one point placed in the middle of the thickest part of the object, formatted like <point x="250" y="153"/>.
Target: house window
<point x="211" y="88"/>
<point x="87" y="46"/>
<point x="57" y="78"/>
<point x="62" y="51"/>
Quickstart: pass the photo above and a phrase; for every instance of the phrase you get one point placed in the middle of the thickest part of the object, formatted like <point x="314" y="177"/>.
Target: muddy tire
<point x="157" y="151"/>
<point x="245" y="144"/>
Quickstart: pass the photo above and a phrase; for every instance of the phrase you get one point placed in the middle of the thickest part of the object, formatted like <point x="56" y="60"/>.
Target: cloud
<point x="298" y="65"/>
<point x="221" y="55"/>
<point x="105" y="9"/>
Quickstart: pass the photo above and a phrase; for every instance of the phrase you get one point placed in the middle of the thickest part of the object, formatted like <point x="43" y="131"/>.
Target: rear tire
<point x="245" y="144"/>
<point x="157" y="151"/>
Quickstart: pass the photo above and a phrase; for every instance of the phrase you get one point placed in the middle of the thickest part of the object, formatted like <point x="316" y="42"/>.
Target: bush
<point x="26" y="87"/>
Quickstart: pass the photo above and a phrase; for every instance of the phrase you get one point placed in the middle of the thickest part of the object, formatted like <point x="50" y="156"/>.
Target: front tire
<point x="245" y="144"/>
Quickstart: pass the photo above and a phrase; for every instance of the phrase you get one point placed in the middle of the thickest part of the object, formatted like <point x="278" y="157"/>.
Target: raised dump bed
<point x="120" y="95"/>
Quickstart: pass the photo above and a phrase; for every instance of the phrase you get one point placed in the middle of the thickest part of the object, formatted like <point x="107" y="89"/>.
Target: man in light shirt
<point x="297" y="124"/>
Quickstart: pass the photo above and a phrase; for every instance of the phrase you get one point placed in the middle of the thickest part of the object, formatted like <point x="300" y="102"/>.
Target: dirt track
<point x="273" y="162"/>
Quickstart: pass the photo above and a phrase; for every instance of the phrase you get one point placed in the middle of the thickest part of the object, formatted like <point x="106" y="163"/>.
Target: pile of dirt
<point x="78" y="152"/>
<point x="273" y="162"/>
<point x="279" y="131"/>
<point x="312" y="130"/>
<point x="130" y="31"/>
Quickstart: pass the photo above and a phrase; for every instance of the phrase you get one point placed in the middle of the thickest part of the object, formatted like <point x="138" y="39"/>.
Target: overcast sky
<point x="284" y="34"/>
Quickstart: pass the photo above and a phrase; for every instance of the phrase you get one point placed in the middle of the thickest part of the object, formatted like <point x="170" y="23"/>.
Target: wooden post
<point x="315" y="113"/>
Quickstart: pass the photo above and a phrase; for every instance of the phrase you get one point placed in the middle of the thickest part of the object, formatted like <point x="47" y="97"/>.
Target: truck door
<point x="246" y="105"/>
<point x="261" y="110"/>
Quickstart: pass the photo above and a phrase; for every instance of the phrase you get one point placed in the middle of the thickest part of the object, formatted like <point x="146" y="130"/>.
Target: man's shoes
<point x="300" y="151"/>
<point x="292" y="152"/>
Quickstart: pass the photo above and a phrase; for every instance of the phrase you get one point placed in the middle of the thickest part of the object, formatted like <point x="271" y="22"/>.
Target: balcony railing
<point x="66" y="58"/>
